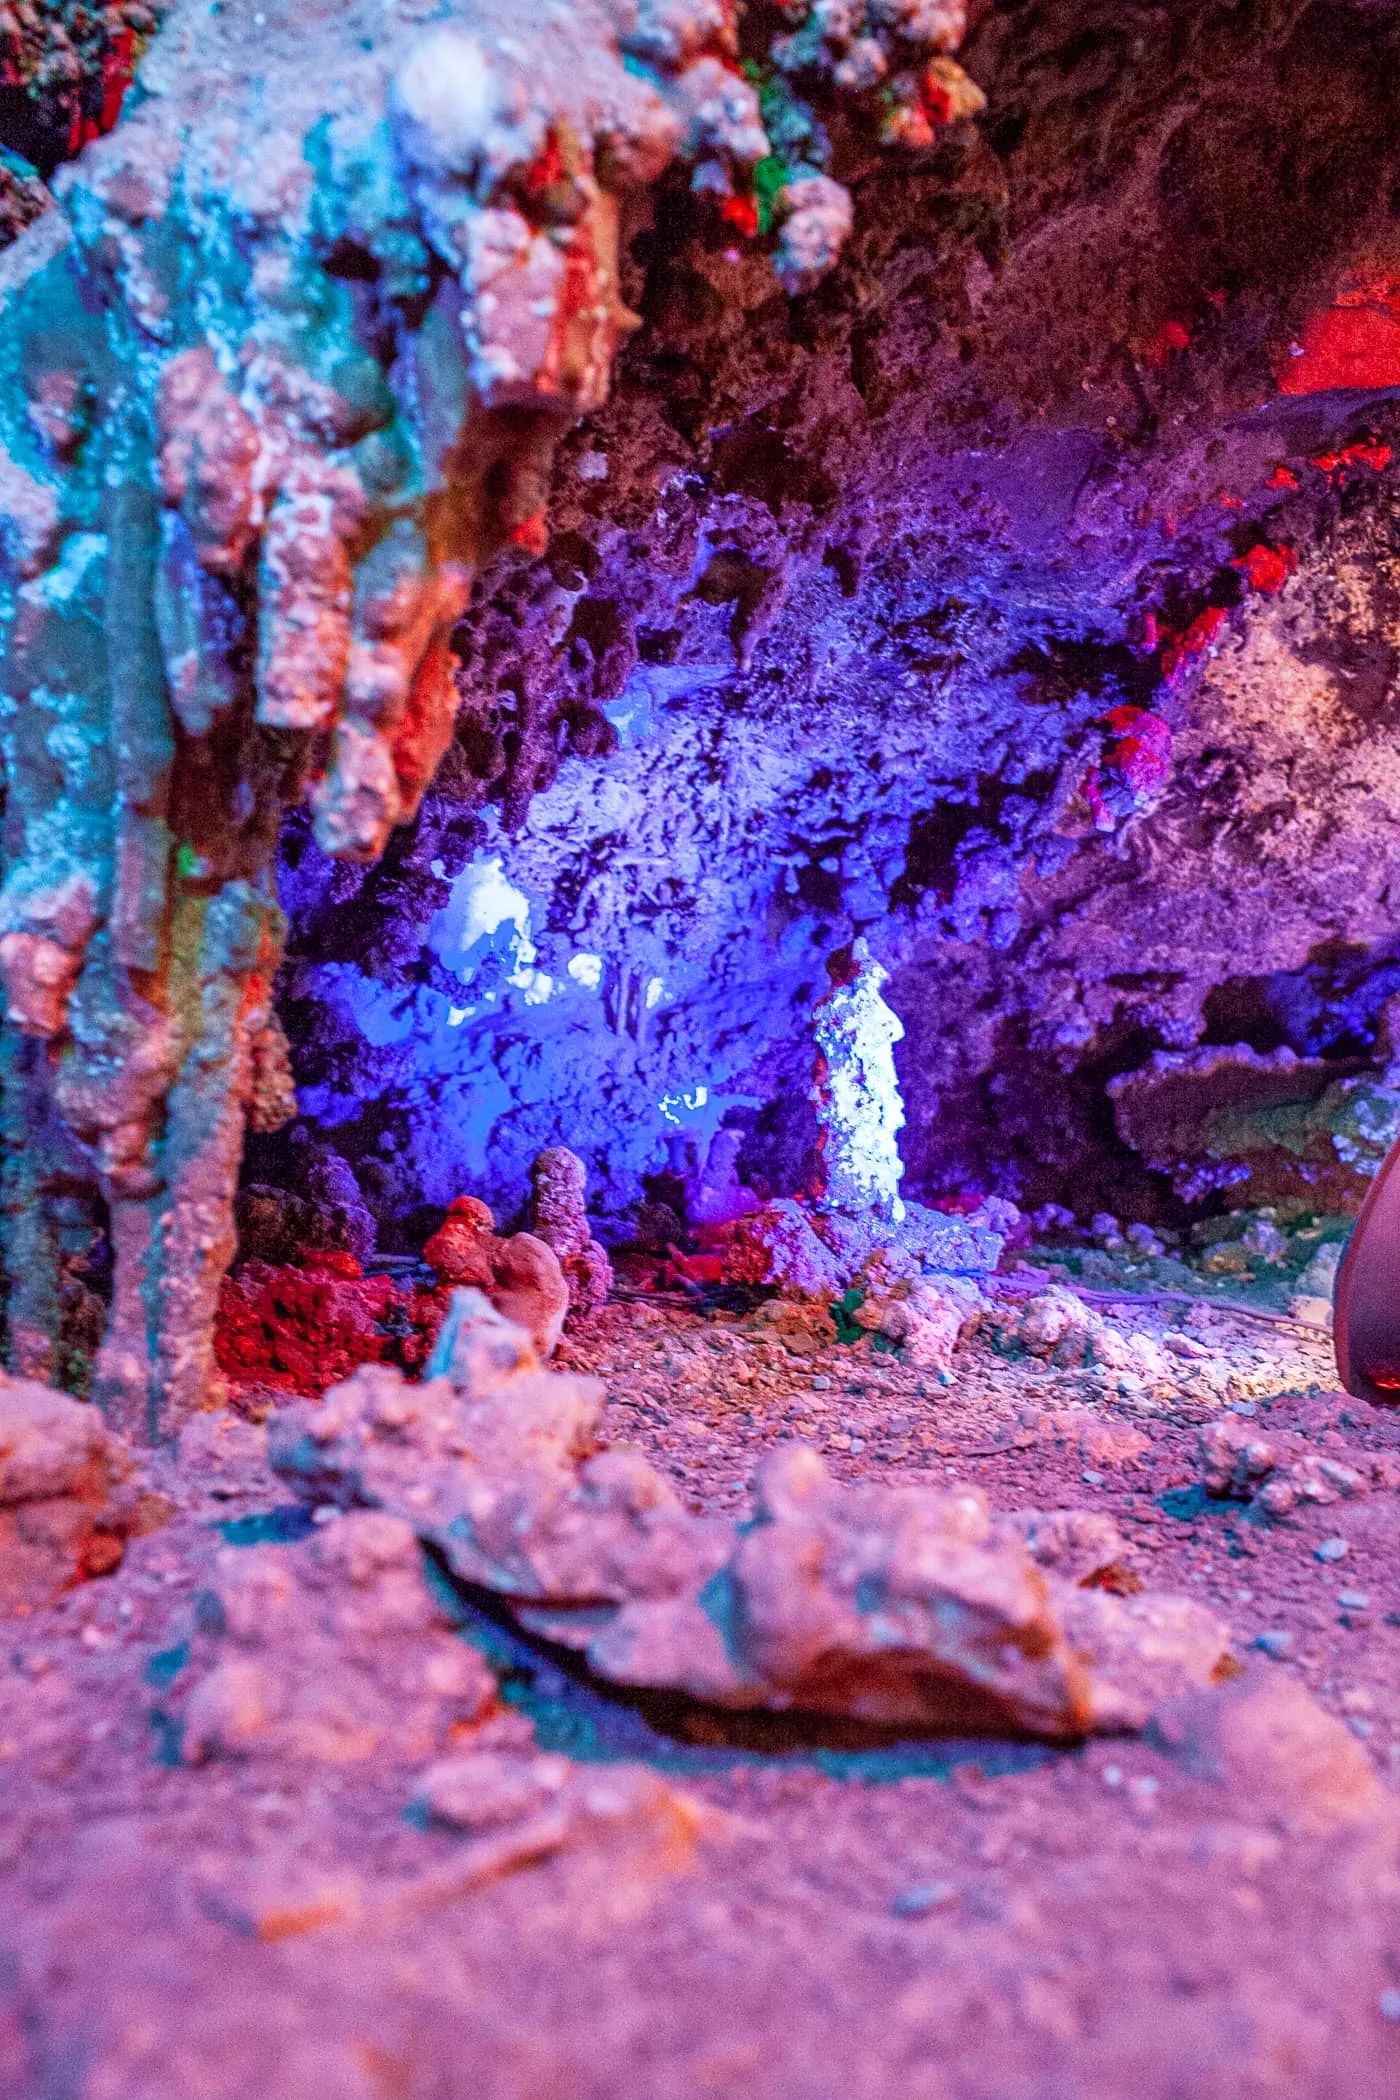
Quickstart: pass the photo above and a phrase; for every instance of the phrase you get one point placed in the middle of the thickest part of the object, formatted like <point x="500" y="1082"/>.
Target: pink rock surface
<point x="62" y="1515"/>
<point x="1205" y="1908"/>
<point x="900" y="1607"/>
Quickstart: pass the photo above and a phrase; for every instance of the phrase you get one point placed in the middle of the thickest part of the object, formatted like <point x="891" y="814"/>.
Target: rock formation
<point x="855" y="1091"/>
<point x="904" y="1608"/>
<point x="64" y="1511"/>
<point x="289" y="359"/>
<point x="560" y="1219"/>
<point x="331" y="1652"/>
<point x="521" y="1275"/>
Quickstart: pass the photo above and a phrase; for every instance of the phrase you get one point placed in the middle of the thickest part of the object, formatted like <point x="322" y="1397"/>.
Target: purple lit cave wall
<point x="1023" y="597"/>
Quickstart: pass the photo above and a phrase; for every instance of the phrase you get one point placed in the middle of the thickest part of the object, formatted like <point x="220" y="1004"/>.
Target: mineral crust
<point x="287" y="361"/>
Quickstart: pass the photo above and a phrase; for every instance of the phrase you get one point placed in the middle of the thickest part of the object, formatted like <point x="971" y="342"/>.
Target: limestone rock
<point x="560" y="1220"/>
<point x="331" y="1650"/>
<point x="1075" y="1544"/>
<point x="906" y="1607"/>
<point x="520" y="1274"/>
<point x="62" y="1517"/>
<point x="1282" y="1470"/>
<point x="1140" y="1650"/>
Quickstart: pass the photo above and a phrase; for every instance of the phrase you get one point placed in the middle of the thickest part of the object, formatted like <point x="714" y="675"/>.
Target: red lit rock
<point x="298" y="1327"/>
<point x="1267" y="569"/>
<point x="61" y="1519"/>
<point x="1354" y="343"/>
<point x="520" y="1274"/>
<point x="459" y="1252"/>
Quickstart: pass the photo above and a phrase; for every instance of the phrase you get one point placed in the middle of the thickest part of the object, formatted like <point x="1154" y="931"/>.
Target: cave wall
<point x="1024" y="596"/>
<point x="1019" y="591"/>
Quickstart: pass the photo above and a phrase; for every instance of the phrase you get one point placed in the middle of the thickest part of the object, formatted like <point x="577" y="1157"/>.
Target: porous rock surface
<point x="63" y="1515"/>
<point x="558" y="1213"/>
<point x="287" y="361"/>
<point x="904" y="1608"/>
<point x="1020" y="599"/>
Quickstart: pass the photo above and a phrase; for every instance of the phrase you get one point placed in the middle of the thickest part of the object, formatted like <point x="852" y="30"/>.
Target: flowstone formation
<point x="288" y="361"/>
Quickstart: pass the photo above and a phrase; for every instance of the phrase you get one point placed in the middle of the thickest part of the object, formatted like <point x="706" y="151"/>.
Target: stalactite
<point x="287" y="363"/>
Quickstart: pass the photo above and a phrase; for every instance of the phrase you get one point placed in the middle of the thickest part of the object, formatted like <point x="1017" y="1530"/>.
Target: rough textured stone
<point x="900" y="1608"/>
<point x="334" y="1650"/>
<point x="1280" y="1472"/>
<point x="520" y="1274"/>
<point x="288" y="361"/>
<point x="62" y="1513"/>
<point x="559" y="1217"/>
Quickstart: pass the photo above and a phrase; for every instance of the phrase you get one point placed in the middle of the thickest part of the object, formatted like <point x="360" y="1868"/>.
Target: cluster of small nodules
<point x="896" y="50"/>
<point x="310" y="1315"/>
<point x="1295" y="1258"/>
<point x="298" y="1327"/>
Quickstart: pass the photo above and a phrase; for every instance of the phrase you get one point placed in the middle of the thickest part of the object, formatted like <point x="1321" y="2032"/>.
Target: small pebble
<point x="1330" y="1549"/>
<point x="821" y="1383"/>
<point x="857" y="1444"/>
<point x="1354" y="1600"/>
<point x="1113" y="1775"/>
<point x="1274" y="1642"/>
<point x="918" y="1902"/>
<point x="1091" y="1478"/>
<point x="1389" y="2003"/>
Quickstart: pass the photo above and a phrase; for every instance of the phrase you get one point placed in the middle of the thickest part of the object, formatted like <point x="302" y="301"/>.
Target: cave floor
<point x="934" y="1921"/>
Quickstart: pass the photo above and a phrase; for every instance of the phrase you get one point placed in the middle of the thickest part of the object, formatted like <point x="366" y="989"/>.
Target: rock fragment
<point x="1282" y="1471"/>
<point x="332" y="1650"/>
<point x="63" y="1516"/>
<point x="908" y="1607"/>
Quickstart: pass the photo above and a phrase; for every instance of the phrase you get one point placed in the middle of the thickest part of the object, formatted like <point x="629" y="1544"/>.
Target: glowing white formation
<point x="694" y="1101"/>
<point x="483" y="900"/>
<point x="856" y="1093"/>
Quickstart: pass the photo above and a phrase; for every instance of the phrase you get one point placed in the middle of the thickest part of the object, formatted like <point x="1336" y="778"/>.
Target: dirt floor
<point x="1210" y="1912"/>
